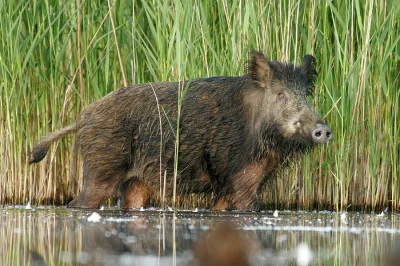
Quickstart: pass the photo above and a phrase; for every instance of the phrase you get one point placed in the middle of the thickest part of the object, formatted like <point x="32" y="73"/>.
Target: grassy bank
<point x="56" y="57"/>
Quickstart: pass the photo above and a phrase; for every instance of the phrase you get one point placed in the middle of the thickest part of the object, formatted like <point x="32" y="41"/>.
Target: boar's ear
<point x="259" y="69"/>
<point x="307" y="67"/>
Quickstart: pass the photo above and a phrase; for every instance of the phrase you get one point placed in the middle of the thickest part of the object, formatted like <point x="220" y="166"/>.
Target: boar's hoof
<point x="259" y="206"/>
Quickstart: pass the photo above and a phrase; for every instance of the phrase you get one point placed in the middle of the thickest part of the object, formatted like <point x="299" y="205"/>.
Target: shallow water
<point x="60" y="236"/>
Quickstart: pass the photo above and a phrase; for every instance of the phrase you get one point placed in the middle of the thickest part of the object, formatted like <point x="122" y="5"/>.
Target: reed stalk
<point x="56" y="57"/>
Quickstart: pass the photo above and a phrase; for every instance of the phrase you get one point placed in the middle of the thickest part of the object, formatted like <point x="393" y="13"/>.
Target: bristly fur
<point x="305" y="73"/>
<point x="234" y="133"/>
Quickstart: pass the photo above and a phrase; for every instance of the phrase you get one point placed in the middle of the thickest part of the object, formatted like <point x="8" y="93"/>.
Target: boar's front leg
<point x="244" y="185"/>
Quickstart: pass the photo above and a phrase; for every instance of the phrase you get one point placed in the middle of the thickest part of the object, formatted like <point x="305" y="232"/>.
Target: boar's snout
<point x="322" y="134"/>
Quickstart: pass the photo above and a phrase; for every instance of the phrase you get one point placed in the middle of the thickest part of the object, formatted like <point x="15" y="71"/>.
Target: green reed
<point x="58" y="57"/>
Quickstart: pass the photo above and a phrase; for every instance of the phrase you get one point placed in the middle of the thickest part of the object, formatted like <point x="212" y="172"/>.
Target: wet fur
<point x="230" y="140"/>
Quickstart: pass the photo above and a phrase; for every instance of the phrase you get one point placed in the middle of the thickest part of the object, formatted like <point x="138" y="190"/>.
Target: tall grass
<point x="56" y="57"/>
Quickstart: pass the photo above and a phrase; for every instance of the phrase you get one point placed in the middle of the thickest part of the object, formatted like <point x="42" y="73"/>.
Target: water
<point x="60" y="236"/>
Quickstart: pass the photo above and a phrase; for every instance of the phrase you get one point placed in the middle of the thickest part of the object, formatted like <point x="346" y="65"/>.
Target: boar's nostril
<point x="329" y="134"/>
<point x="322" y="134"/>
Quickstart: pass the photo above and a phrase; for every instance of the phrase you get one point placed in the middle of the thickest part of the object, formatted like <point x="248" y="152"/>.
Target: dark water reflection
<point x="59" y="236"/>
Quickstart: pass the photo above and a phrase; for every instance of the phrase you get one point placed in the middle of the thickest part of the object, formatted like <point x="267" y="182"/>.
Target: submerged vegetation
<point x="56" y="57"/>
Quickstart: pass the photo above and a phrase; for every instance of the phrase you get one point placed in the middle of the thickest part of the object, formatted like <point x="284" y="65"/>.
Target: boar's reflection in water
<point x="234" y="133"/>
<point x="141" y="243"/>
<point x="226" y="245"/>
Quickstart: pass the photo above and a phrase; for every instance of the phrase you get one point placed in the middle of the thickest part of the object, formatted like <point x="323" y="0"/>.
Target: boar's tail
<point x="39" y="151"/>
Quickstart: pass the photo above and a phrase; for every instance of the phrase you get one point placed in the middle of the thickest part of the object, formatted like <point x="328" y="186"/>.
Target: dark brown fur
<point x="234" y="132"/>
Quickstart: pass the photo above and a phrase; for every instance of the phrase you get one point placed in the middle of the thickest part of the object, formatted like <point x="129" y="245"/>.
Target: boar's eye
<point x="282" y="96"/>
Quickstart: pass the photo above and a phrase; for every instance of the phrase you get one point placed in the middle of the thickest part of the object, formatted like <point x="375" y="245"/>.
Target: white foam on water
<point x="120" y="220"/>
<point x="28" y="206"/>
<point x="94" y="218"/>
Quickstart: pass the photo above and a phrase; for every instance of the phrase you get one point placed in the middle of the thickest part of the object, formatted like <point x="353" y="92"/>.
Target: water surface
<point x="60" y="236"/>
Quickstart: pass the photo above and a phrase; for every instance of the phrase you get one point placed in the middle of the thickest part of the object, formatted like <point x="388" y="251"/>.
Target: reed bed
<point x="56" y="57"/>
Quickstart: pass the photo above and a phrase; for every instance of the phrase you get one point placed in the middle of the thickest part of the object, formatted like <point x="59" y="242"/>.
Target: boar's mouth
<point x="275" y="137"/>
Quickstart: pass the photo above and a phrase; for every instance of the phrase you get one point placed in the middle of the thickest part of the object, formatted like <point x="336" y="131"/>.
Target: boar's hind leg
<point x="97" y="187"/>
<point x="135" y="194"/>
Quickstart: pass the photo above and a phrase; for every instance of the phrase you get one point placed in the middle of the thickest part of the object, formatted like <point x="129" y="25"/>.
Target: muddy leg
<point x="221" y="204"/>
<point x="242" y="194"/>
<point x="135" y="194"/>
